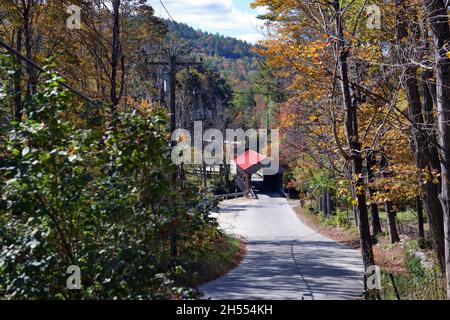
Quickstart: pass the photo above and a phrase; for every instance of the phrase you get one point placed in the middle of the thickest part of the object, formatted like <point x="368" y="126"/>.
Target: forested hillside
<point x="212" y="44"/>
<point x="236" y="61"/>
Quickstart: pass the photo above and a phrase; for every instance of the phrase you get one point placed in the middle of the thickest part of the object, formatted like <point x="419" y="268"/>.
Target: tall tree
<point x="375" y="216"/>
<point x="352" y="133"/>
<point x="439" y="23"/>
<point x="409" y="38"/>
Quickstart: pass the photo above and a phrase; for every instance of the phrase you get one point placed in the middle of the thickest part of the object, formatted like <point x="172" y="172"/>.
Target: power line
<point x="168" y="13"/>
<point x="36" y="66"/>
<point x="249" y="92"/>
<point x="175" y="23"/>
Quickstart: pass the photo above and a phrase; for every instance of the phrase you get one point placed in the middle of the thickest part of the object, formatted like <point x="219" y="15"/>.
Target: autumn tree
<point x="437" y="14"/>
<point x="309" y="33"/>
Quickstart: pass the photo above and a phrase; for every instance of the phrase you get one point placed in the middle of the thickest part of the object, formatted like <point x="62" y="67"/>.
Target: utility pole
<point x="173" y="64"/>
<point x="172" y="93"/>
<point x="173" y="125"/>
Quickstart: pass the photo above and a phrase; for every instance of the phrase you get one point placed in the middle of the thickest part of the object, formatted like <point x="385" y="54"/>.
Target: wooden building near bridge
<point x="247" y="164"/>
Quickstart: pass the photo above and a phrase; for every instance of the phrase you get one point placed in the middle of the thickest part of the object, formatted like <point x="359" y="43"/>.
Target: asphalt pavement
<point x="285" y="260"/>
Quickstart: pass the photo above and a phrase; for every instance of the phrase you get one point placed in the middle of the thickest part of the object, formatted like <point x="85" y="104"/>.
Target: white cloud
<point x="213" y="16"/>
<point x="250" y="37"/>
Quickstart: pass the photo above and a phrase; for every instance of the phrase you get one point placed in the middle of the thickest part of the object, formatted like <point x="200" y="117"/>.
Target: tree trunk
<point x="429" y="95"/>
<point x="27" y="30"/>
<point x="115" y="56"/>
<point x="205" y="178"/>
<point x="439" y="22"/>
<point x="321" y="203"/>
<point x="375" y="219"/>
<point x="421" y="140"/>
<point x="354" y="207"/>
<point x="351" y="127"/>
<point x="327" y="204"/>
<point x="376" y="224"/>
<point x="420" y="217"/>
<point x="422" y="155"/>
<point x="330" y="204"/>
<point x="18" y="111"/>
<point x="392" y="225"/>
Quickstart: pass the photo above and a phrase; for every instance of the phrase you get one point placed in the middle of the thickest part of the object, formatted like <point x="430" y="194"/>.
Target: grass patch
<point x="407" y="216"/>
<point x="336" y="227"/>
<point x="420" y="280"/>
<point x="209" y="259"/>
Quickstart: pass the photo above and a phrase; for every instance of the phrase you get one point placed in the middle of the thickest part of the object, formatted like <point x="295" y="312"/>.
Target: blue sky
<point x="233" y="18"/>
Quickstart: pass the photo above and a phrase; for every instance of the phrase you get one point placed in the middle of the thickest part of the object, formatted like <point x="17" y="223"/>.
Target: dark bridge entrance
<point x="273" y="183"/>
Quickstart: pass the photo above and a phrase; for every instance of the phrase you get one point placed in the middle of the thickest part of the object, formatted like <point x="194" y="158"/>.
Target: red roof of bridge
<point x="249" y="159"/>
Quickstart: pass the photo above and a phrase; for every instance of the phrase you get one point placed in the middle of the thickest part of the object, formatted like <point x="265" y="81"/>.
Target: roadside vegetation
<point x="364" y="117"/>
<point x="209" y="261"/>
<point x="86" y="176"/>
<point x="99" y="197"/>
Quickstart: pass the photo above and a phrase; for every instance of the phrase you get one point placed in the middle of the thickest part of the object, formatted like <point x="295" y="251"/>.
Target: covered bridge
<point x="247" y="164"/>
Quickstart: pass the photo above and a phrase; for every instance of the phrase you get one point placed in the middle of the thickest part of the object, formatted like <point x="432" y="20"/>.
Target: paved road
<point x="286" y="260"/>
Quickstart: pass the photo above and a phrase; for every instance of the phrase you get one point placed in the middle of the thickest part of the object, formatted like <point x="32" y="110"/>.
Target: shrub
<point x="339" y="219"/>
<point x="100" y="198"/>
<point x="221" y="186"/>
<point x="418" y="282"/>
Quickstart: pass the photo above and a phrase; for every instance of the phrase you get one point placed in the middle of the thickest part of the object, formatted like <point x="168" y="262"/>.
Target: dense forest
<point x="86" y="176"/>
<point x="212" y="44"/>
<point x="90" y="196"/>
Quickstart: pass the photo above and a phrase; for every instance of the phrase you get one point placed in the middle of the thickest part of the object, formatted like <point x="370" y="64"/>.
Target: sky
<point x="232" y="18"/>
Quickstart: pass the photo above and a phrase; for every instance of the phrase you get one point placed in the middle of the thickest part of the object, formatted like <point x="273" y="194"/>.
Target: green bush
<point x="220" y="186"/>
<point x="99" y="198"/>
<point x="417" y="282"/>
<point x="409" y="215"/>
<point x="339" y="219"/>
